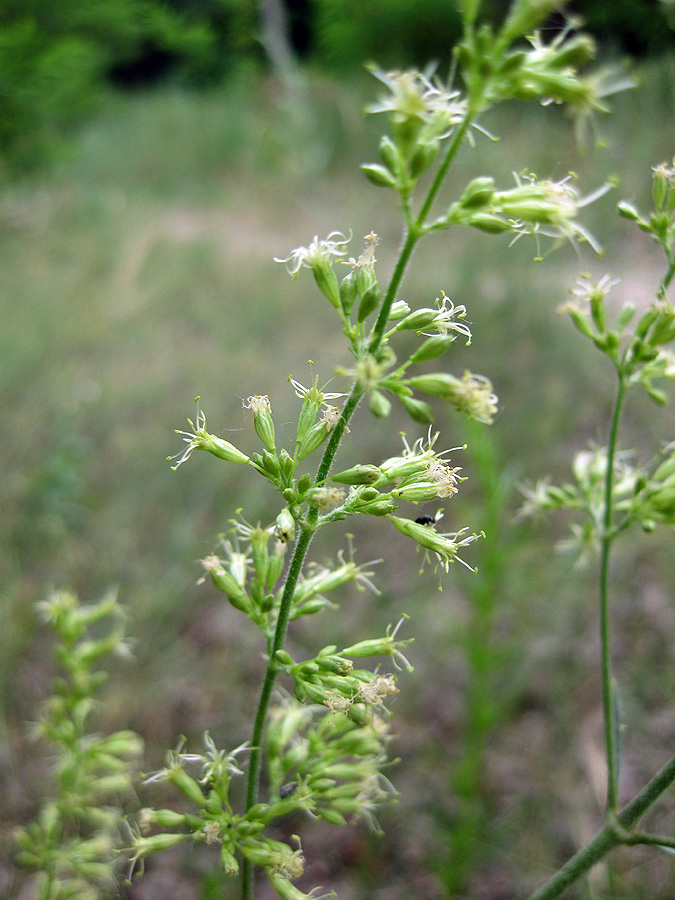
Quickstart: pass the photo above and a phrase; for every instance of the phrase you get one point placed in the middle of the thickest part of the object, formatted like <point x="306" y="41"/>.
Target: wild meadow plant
<point x="75" y="842"/>
<point x="320" y="735"/>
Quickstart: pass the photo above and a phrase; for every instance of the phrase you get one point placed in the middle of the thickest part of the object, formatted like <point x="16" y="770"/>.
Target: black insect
<point x="287" y="789"/>
<point x="426" y="520"/>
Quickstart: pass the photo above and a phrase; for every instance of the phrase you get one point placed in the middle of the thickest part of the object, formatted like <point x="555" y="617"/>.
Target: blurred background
<point x="155" y="155"/>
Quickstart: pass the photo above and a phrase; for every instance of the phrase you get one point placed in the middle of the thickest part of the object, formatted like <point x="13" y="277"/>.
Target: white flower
<point x="446" y="318"/>
<point x="313" y="392"/>
<point x="318" y="253"/>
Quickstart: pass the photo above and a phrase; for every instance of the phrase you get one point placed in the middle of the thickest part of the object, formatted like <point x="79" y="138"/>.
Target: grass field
<point x="137" y="273"/>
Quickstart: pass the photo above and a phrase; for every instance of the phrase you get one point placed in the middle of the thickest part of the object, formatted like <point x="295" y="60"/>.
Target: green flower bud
<point x="626" y="315"/>
<point x="526" y="16"/>
<point x="433" y="347"/>
<point x="418" y="410"/>
<point x="304" y="483"/>
<point x="370" y="300"/>
<point x="276" y="564"/>
<point x="313" y="439"/>
<point x="379" y="405"/>
<point x="309" y="607"/>
<point x="490" y="223"/>
<point x="143" y="846"/>
<point x="423" y="156"/>
<point x="627" y="211"/>
<point x="348" y="292"/>
<point x="332" y="816"/>
<point x="478" y="193"/>
<point x="256" y="592"/>
<point x="379" y="508"/>
<point x="663" y="330"/>
<point x="283" y="658"/>
<point x="259" y="550"/>
<point x="378" y="175"/>
<point x="336" y="664"/>
<point x="438" y="384"/>
<point x="418" y="320"/>
<point x="227" y="583"/>
<point x="285" y="526"/>
<point x="357" y="475"/>
<point x="359" y="714"/>
<point x="417" y="492"/>
<point x="390" y="155"/>
<point x="576" y="51"/>
<point x="165" y="818"/>
<point x="327" y="282"/>
<point x="188" y="786"/>
<point x="286" y="462"/>
<point x="228" y="860"/>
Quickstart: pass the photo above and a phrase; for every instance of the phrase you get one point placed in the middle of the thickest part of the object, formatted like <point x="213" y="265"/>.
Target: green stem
<point x="414" y="233"/>
<point x="411" y="236"/>
<point x="605" y="546"/>
<point x="614" y="832"/>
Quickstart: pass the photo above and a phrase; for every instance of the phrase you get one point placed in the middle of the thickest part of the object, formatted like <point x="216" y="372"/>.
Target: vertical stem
<point x="605" y="546"/>
<point x="266" y="693"/>
<point x="294" y="571"/>
<point x="411" y="236"/>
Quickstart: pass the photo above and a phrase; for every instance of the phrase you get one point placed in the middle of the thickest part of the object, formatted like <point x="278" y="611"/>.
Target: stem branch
<point x="611" y="750"/>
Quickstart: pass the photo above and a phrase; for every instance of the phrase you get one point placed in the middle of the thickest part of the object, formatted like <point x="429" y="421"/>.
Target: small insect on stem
<point x="430" y="520"/>
<point x="287" y="789"/>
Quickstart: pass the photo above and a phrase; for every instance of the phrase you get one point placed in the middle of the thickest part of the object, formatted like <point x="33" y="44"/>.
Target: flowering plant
<point x="324" y="747"/>
<point x="319" y="742"/>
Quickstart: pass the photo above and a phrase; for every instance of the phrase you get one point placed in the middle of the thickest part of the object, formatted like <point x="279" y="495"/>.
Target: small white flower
<point x="313" y="392"/>
<point x="318" y="253"/>
<point x="446" y="318"/>
<point x="258" y="403"/>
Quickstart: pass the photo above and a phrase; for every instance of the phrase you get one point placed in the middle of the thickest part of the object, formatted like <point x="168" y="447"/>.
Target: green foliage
<point x="56" y="58"/>
<point x="638" y="27"/>
<point x="74" y="842"/>
<point x="395" y="32"/>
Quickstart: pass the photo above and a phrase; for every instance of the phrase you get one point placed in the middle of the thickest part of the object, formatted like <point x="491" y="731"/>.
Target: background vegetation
<point x="137" y="273"/>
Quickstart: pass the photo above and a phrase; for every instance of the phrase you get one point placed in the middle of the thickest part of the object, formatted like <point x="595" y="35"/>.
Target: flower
<point x="331" y="416"/>
<point x="417" y="102"/>
<point x="318" y="254"/>
<point x="426" y="475"/>
<point x="314" y="394"/>
<point x="585" y="289"/>
<point x="445" y="319"/>
<point x="546" y="208"/>
<point x="200" y="439"/>
<point x="445" y="546"/>
<point x="217" y="765"/>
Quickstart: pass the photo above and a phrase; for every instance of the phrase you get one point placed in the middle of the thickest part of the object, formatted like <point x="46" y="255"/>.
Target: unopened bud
<point x="379" y="405"/>
<point x="285" y="526"/>
<point x="358" y="475"/>
<point x="478" y="193"/>
<point x="378" y="175"/>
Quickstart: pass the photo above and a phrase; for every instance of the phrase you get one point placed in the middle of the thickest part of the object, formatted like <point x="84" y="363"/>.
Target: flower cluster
<point x="74" y="843"/>
<point x="534" y="207"/>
